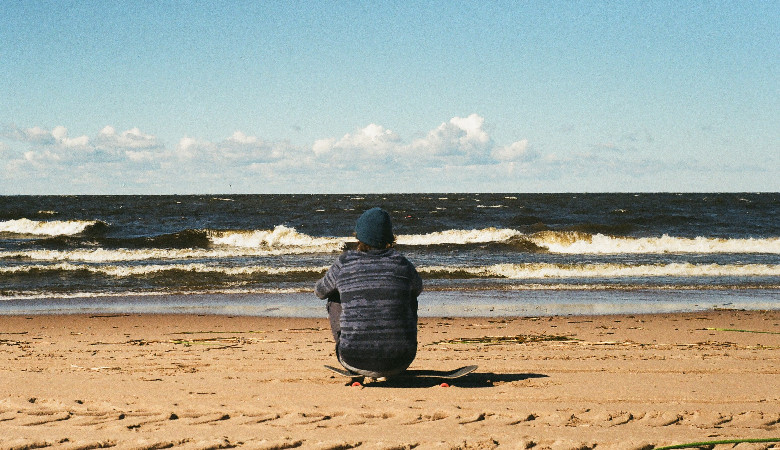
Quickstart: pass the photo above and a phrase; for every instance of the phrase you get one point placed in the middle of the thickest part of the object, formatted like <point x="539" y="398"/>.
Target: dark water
<point x="473" y="250"/>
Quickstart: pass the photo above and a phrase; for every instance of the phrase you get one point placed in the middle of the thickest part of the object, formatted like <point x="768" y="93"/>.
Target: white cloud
<point x="369" y="142"/>
<point x="239" y="150"/>
<point x="250" y="149"/>
<point x="129" y="139"/>
<point x="461" y="141"/>
<point x="323" y="146"/>
<point x="58" y="139"/>
<point x="190" y="148"/>
<point x="34" y="135"/>
<point x="140" y="156"/>
<point x="241" y="138"/>
<point x="373" y="138"/>
<point x="461" y="137"/>
<point x="459" y="146"/>
<point x="517" y="151"/>
<point x="60" y="134"/>
<point x="37" y="135"/>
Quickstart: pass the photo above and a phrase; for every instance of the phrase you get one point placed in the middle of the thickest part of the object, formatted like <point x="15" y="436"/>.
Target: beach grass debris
<point x="219" y="332"/>
<point x="501" y="340"/>
<point x="226" y="342"/>
<point x="737" y="330"/>
<point x="720" y="442"/>
<point x="209" y="341"/>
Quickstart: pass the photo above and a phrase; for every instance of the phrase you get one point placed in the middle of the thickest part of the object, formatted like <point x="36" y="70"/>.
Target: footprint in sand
<point x="425" y="418"/>
<point x="293" y="419"/>
<point x="254" y="419"/>
<point x="474" y="418"/>
<point x="137" y="420"/>
<point x="707" y="419"/>
<point x="611" y="419"/>
<point x="211" y="419"/>
<point x="36" y="418"/>
<point x="755" y="419"/>
<point x="661" y="419"/>
<point x="523" y="418"/>
<point x="365" y="418"/>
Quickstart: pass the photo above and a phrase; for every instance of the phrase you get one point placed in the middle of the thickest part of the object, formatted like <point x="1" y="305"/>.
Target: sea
<point x="479" y="254"/>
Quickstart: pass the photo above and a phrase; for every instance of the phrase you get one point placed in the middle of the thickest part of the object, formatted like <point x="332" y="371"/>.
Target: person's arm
<point x="417" y="286"/>
<point x="326" y="286"/>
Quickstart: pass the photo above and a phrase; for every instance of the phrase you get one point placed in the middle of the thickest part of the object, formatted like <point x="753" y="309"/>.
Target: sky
<point x="179" y="97"/>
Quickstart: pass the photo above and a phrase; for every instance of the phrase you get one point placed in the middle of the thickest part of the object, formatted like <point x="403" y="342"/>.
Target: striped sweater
<point x="378" y="292"/>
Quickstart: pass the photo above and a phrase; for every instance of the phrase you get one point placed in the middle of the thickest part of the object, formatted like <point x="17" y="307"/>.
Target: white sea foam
<point x="136" y="270"/>
<point x="117" y="255"/>
<point x="280" y="237"/>
<point x="508" y="271"/>
<point x="45" y="228"/>
<point x="284" y="240"/>
<point x="581" y="243"/>
<point x="459" y="237"/>
<point x="136" y="294"/>
<point x="546" y="270"/>
<point x="227" y="244"/>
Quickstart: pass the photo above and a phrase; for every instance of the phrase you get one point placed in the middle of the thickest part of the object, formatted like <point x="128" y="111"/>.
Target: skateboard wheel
<point x="356" y="384"/>
<point x="444" y="385"/>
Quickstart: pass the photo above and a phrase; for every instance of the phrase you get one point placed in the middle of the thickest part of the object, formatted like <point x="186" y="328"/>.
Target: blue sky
<point x="267" y="97"/>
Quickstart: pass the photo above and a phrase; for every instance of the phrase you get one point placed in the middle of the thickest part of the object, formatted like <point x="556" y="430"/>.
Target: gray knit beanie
<point x="374" y="228"/>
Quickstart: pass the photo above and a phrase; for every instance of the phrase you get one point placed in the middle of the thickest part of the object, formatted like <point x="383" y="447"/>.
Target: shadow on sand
<point x="428" y="378"/>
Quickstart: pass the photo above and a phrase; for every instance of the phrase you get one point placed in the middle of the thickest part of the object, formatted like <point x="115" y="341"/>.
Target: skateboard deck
<point x="443" y="374"/>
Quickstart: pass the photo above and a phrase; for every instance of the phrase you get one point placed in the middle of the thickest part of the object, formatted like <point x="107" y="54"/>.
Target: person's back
<point x="372" y="296"/>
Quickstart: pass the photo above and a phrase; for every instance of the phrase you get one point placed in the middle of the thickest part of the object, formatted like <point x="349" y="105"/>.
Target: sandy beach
<point x="202" y="382"/>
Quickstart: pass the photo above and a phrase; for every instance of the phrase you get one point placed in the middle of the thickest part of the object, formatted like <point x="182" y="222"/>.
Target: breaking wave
<point x="79" y="241"/>
<point x="27" y="227"/>
<point x="280" y="237"/>
<point x="575" y="242"/>
<point x="581" y="243"/>
<point x="140" y="270"/>
<point x="606" y="270"/>
<point x="508" y="271"/>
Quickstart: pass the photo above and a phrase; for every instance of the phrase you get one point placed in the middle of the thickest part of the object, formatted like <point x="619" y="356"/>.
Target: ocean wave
<point x="483" y="236"/>
<point x="583" y="243"/>
<point x="580" y="242"/>
<point x="140" y="270"/>
<point x="190" y="244"/>
<point x="506" y="271"/>
<point x="187" y="239"/>
<point x="102" y="255"/>
<point x="280" y="237"/>
<point x="606" y="270"/>
<point x="27" y="227"/>
<point x="282" y="240"/>
<point x="32" y="295"/>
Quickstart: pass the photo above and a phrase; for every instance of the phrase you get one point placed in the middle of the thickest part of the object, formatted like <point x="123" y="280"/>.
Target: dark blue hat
<point x="374" y="228"/>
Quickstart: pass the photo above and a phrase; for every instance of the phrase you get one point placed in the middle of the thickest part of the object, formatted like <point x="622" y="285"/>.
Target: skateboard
<point x="445" y="375"/>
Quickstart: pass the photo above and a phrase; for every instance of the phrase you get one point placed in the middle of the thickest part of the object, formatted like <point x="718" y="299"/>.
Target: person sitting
<point x="372" y="301"/>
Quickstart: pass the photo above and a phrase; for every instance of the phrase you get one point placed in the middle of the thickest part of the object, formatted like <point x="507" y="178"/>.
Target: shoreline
<point x="626" y="381"/>
<point x="454" y="303"/>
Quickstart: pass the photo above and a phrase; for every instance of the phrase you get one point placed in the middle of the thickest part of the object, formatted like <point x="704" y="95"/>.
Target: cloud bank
<point x="372" y="158"/>
<point x="457" y="155"/>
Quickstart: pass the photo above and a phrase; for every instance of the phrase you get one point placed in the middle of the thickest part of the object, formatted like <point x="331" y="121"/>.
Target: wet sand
<point x="204" y="382"/>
